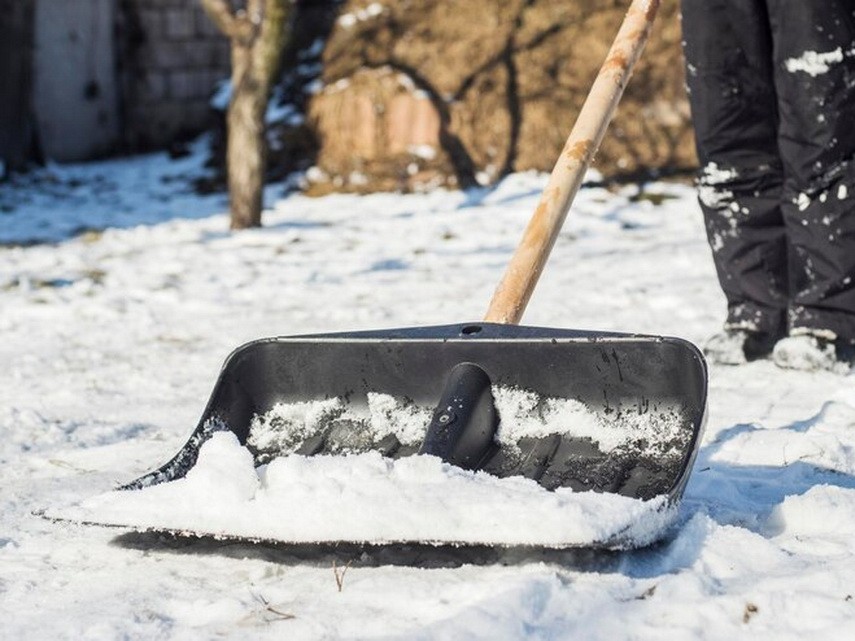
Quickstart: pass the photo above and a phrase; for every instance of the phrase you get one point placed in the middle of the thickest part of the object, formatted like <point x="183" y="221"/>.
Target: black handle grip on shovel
<point x="464" y="423"/>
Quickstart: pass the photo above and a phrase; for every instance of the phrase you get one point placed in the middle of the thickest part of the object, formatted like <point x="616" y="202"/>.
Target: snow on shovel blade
<point x="596" y="437"/>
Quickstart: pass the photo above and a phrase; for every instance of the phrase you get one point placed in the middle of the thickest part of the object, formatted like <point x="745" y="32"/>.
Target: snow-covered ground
<point x="110" y="343"/>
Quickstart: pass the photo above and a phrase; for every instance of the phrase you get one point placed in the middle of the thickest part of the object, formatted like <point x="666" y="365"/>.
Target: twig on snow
<point x="339" y="576"/>
<point x="280" y="615"/>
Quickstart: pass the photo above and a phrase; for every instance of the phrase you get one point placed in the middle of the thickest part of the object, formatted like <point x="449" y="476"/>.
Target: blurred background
<point x="366" y="96"/>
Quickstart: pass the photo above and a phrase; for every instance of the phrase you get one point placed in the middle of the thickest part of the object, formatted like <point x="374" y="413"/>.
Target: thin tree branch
<point x="272" y="38"/>
<point x="242" y="26"/>
<point x="255" y="11"/>
<point x="221" y="14"/>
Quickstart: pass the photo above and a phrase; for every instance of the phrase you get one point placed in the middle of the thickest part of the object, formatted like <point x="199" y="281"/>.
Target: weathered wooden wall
<point x="16" y="79"/>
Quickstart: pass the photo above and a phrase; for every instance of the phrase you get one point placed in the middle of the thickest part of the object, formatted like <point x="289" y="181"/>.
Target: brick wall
<point x="172" y="58"/>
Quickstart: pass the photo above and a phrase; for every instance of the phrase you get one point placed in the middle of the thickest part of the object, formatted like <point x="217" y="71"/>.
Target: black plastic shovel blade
<point x="642" y="400"/>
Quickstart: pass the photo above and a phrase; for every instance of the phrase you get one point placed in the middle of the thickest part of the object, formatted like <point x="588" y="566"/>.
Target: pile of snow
<point x="356" y="495"/>
<point x="368" y="499"/>
<point x="285" y="426"/>
<point x="522" y="413"/>
<point x="525" y="413"/>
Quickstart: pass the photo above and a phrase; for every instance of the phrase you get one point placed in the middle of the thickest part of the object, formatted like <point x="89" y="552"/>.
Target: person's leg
<point x="814" y="58"/>
<point x="728" y="50"/>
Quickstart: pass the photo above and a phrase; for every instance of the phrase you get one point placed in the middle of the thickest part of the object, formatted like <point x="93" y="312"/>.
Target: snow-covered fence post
<point x="258" y="34"/>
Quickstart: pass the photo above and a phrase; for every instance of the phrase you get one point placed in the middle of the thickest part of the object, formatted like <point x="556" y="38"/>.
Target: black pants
<point x="772" y="90"/>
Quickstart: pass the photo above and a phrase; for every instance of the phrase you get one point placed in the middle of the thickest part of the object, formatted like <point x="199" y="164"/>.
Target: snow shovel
<point x="573" y="411"/>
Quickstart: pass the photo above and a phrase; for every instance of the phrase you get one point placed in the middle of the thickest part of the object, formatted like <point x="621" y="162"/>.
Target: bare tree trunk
<point x="257" y="36"/>
<point x="245" y="161"/>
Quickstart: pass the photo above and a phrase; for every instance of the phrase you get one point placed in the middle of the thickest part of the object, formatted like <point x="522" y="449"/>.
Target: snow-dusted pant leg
<point x="772" y="89"/>
<point x="728" y="50"/>
<point x="814" y="62"/>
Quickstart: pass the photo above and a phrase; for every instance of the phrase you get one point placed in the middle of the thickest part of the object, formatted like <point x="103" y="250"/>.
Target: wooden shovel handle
<point x="515" y="289"/>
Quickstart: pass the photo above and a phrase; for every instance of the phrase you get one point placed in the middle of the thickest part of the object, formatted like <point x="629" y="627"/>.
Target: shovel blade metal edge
<point x="613" y="374"/>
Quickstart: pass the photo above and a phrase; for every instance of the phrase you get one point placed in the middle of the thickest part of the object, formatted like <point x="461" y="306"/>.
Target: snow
<point x="814" y="63"/>
<point x="122" y="292"/>
<point x="358" y="496"/>
<point x="369" y="499"/>
<point x="804" y="351"/>
<point x="278" y="111"/>
<point x="284" y="427"/>
<point x="709" y="187"/>
<point x="426" y="152"/>
<point x="521" y="413"/>
<point x="348" y="20"/>
<point x="524" y="413"/>
<point x="222" y="95"/>
<point x="389" y="414"/>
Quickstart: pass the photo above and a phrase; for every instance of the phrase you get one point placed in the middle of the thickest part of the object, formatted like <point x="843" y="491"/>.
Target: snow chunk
<point x="316" y="174"/>
<point x="427" y="152"/>
<point x="287" y="425"/>
<point x="228" y="471"/>
<point x="709" y="186"/>
<point x="349" y="20"/>
<point x="814" y="63"/>
<point x="405" y="420"/>
<point x="803" y="201"/>
<point x="714" y="175"/>
<point x="523" y="413"/>
<point x="821" y="511"/>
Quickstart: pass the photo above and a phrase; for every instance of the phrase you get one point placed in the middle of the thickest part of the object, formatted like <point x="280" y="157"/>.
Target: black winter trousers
<point x="772" y="90"/>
